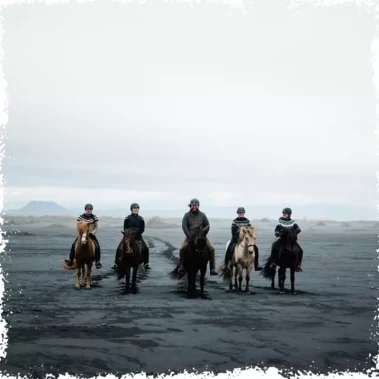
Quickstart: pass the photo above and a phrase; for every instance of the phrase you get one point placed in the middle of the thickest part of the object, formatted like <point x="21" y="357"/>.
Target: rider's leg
<point x="97" y="251"/>
<point x="145" y="253"/>
<point x="229" y="252"/>
<point x="300" y="257"/>
<point x="212" y="263"/>
<point x="72" y="254"/>
<point x="181" y="255"/>
<point x="256" y="264"/>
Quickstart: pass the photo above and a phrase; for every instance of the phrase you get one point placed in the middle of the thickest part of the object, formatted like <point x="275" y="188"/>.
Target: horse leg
<point x="127" y="280"/>
<point x="231" y="277"/>
<point x="281" y="279"/>
<point x="239" y="278"/>
<point x="273" y="279"/>
<point x="248" y="273"/>
<point x="292" y="279"/>
<point x="202" y="280"/>
<point x="134" y="278"/>
<point x="235" y="278"/>
<point x="77" y="284"/>
<point x="89" y="276"/>
<point x="83" y="275"/>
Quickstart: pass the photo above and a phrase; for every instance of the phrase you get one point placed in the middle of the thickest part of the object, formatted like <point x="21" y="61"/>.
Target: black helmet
<point x="194" y="202"/>
<point x="287" y="210"/>
<point x="88" y="206"/>
<point x="134" y="205"/>
<point x="241" y="209"/>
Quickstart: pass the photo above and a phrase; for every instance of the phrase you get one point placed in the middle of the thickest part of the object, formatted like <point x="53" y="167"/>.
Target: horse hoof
<point x="248" y="293"/>
<point x="88" y="288"/>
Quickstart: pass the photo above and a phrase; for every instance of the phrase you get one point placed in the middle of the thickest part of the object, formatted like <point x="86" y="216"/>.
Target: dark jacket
<point x="283" y="223"/>
<point x="191" y="220"/>
<point x="237" y="223"/>
<point x="135" y="222"/>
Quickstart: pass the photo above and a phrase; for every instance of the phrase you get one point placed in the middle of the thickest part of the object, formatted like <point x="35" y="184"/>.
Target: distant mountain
<point x="273" y="212"/>
<point x="39" y="208"/>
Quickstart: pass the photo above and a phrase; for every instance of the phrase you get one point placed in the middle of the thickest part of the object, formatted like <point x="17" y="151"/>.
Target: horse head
<point x="289" y="238"/>
<point x="247" y="237"/>
<point x="83" y="231"/>
<point x="199" y="239"/>
<point x="128" y="241"/>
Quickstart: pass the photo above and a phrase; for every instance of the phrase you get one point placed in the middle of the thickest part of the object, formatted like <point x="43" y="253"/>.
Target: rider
<point x="93" y="221"/>
<point x="284" y="222"/>
<point x="136" y="222"/>
<point x="191" y="220"/>
<point x="237" y="223"/>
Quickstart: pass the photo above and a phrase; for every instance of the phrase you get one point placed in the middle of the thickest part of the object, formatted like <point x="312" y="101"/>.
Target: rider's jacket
<point x="92" y="220"/>
<point x="286" y="223"/>
<point x="237" y="223"/>
<point x="136" y="222"/>
<point x="192" y="220"/>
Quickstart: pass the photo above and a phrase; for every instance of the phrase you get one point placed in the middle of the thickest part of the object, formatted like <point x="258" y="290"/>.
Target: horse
<point x="84" y="256"/>
<point x="287" y="257"/>
<point x="243" y="258"/>
<point x="129" y="253"/>
<point x="196" y="257"/>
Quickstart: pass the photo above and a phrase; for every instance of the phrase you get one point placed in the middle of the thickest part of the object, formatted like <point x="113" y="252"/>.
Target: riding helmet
<point x="88" y="206"/>
<point x="194" y="202"/>
<point x="287" y="210"/>
<point x="241" y="209"/>
<point x="134" y="205"/>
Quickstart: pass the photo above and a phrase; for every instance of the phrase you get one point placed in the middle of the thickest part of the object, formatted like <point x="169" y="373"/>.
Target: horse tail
<point x="267" y="272"/>
<point x="120" y="272"/>
<point x="225" y="273"/>
<point x="66" y="267"/>
<point x="174" y="274"/>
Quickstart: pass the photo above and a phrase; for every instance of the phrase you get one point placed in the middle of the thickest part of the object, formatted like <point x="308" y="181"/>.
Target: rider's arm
<point x="234" y="230"/>
<point x="96" y="226"/>
<point x="142" y="228"/>
<point x="296" y="227"/>
<point x="185" y="226"/>
<point x="205" y="224"/>
<point x="126" y="223"/>
<point x="278" y="231"/>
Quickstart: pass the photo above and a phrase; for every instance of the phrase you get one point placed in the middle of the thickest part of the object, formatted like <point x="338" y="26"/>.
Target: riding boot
<point x="256" y="264"/>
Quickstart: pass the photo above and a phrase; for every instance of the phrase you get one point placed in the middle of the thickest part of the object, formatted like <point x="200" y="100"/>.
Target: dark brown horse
<point x="129" y="256"/>
<point x="196" y="257"/>
<point x="285" y="255"/>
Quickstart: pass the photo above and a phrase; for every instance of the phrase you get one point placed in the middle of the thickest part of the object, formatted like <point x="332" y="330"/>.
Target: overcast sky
<point x="114" y="103"/>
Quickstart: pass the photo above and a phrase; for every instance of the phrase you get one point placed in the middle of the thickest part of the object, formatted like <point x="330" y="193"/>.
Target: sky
<point x="161" y="102"/>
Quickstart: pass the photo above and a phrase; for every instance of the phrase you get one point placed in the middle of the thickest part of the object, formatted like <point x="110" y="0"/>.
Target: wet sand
<point x="55" y="329"/>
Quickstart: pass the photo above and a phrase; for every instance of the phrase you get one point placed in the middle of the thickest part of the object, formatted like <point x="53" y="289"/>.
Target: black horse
<point x="285" y="255"/>
<point x="129" y="256"/>
<point x="196" y="257"/>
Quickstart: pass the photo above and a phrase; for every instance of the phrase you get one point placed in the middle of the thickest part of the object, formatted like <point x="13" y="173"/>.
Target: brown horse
<point x="285" y="252"/>
<point x="129" y="255"/>
<point x="84" y="256"/>
<point x="196" y="258"/>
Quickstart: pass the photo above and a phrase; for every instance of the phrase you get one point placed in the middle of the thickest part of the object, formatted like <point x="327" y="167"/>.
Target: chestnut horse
<point x="84" y="256"/>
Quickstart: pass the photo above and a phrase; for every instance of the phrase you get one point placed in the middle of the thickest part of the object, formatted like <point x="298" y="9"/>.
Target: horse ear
<point x="122" y="232"/>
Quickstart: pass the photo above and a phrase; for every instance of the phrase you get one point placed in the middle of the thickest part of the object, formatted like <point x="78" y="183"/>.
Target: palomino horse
<point x="196" y="257"/>
<point x="84" y="256"/>
<point x="243" y="258"/>
<point x="286" y="254"/>
<point x="129" y="253"/>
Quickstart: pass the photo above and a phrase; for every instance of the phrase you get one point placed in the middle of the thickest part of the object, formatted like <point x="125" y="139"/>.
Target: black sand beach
<point x="55" y="329"/>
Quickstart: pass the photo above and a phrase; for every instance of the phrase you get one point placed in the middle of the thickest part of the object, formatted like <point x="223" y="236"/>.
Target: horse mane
<point x="82" y="227"/>
<point x="246" y="230"/>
